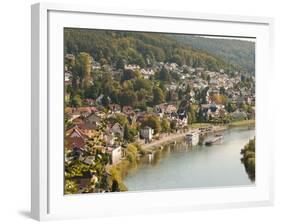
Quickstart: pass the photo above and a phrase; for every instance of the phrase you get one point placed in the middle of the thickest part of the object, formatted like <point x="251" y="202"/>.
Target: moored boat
<point x="216" y="139"/>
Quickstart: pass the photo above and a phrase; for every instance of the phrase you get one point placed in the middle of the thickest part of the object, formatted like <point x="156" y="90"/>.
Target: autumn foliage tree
<point x="219" y="99"/>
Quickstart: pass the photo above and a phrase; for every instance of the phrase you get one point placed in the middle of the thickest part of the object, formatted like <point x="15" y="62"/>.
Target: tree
<point x="153" y="122"/>
<point x="158" y="96"/>
<point x="131" y="153"/>
<point x="121" y="119"/>
<point x="128" y="74"/>
<point x="164" y="74"/>
<point x="249" y="155"/>
<point x="208" y="78"/>
<point x="84" y="68"/>
<point x="165" y="125"/>
<point x="137" y="74"/>
<point x="128" y="98"/>
<point x="70" y="187"/>
<point x="243" y="106"/>
<point x="188" y="89"/>
<point x="191" y="114"/>
<point x="129" y="133"/>
<point x="174" y="125"/>
<point x="103" y="61"/>
<point x="142" y="96"/>
<point x="93" y="91"/>
<point x="200" y="116"/>
<point x="105" y="101"/>
<point x="76" y="101"/>
<point x="222" y="90"/>
<point x="142" y="84"/>
<point x="115" y="186"/>
<point x="128" y="85"/>
<point x="219" y="99"/>
<point x="120" y="63"/>
<point x="203" y="95"/>
<point x="177" y="59"/>
<point x="231" y="107"/>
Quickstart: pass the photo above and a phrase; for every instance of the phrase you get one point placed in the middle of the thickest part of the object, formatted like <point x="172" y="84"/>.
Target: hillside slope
<point x="238" y="52"/>
<point x="138" y="47"/>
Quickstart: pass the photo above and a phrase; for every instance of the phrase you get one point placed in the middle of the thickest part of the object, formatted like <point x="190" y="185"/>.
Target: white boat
<point x="192" y="138"/>
<point x="216" y="139"/>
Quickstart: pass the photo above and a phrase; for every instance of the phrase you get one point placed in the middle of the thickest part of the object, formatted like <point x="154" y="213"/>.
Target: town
<point x="114" y="111"/>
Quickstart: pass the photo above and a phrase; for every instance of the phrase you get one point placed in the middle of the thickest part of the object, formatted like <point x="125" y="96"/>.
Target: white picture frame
<point x="48" y="201"/>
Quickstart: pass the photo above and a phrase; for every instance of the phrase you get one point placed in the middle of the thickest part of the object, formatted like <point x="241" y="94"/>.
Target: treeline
<point x="237" y="52"/>
<point x="249" y="158"/>
<point x="137" y="48"/>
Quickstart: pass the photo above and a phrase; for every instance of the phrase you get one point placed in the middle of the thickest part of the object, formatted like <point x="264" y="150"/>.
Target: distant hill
<point x="142" y="48"/>
<point x="238" y="52"/>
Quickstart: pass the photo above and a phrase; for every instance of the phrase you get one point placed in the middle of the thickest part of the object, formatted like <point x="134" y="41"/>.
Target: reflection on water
<point x="181" y="166"/>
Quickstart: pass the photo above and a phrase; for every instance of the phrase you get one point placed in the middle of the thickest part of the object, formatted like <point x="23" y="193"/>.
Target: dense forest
<point x="139" y="48"/>
<point x="237" y="52"/>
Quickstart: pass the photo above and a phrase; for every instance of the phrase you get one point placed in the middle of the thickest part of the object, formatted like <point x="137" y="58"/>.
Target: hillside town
<point x="123" y="107"/>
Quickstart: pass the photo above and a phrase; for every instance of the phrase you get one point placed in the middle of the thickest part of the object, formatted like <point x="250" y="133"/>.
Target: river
<point x="181" y="166"/>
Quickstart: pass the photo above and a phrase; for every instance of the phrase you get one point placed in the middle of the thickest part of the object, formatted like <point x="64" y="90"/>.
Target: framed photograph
<point x="148" y="111"/>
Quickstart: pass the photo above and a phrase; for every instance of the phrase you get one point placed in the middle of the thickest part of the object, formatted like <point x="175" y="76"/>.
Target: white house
<point x="115" y="154"/>
<point x="131" y="67"/>
<point x="146" y="133"/>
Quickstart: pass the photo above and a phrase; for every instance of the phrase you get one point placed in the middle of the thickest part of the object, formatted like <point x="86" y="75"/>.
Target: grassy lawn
<point x="242" y="123"/>
<point x="232" y="124"/>
<point x="200" y="125"/>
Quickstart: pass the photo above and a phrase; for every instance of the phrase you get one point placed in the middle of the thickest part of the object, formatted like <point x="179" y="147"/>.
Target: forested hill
<point x="238" y="52"/>
<point x="138" y="48"/>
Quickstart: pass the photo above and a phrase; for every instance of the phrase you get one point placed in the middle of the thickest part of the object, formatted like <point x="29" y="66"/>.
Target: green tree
<point x="165" y="125"/>
<point x="177" y="59"/>
<point x="103" y="61"/>
<point x="84" y="68"/>
<point x="164" y="74"/>
<point x="76" y="101"/>
<point x="131" y="153"/>
<point x="249" y="155"/>
<point x="121" y="119"/>
<point x="231" y="107"/>
<point x="128" y="98"/>
<point x="93" y="91"/>
<point x="153" y="122"/>
<point x="174" y="125"/>
<point x="129" y="133"/>
<point x="120" y="63"/>
<point x="143" y="84"/>
<point x="70" y="187"/>
<point x="115" y="186"/>
<point x="105" y="101"/>
<point x="158" y="96"/>
<point x="191" y="114"/>
<point x="128" y="75"/>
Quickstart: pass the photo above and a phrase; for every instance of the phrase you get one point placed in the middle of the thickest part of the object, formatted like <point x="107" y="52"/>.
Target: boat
<point x="216" y="139"/>
<point x="192" y="138"/>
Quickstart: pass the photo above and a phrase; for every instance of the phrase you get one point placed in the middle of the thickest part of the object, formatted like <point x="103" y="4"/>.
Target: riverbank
<point x="242" y="123"/>
<point x="249" y="158"/>
<point x="170" y="138"/>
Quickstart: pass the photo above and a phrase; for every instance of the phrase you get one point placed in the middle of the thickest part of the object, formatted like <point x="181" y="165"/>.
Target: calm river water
<point x="180" y="166"/>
